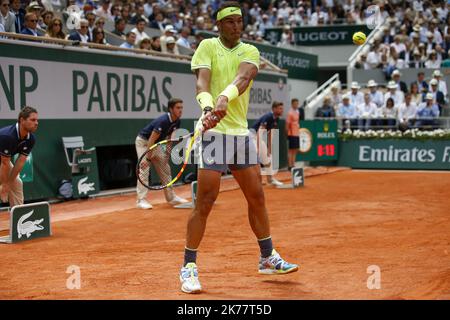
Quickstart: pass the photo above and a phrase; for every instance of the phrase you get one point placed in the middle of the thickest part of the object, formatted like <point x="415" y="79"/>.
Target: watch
<point x="207" y="109"/>
<point x="306" y="140"/>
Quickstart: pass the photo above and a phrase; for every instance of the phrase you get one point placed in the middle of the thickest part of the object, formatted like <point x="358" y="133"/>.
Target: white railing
<point x="320" y="89"/>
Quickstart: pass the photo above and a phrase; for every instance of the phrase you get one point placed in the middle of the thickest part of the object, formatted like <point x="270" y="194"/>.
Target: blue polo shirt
<point x="10" y="142"/>
<point x="267" y="120"/>
<point x="163" y="125"/>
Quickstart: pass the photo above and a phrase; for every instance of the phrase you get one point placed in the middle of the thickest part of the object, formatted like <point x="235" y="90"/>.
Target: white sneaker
<point x="143" y="204"/>
<point x="177" y="200"/>
<point x="189" y="279"/>
<point x="275" y="182"/>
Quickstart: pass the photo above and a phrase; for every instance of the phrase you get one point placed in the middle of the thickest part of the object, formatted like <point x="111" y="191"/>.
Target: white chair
<point x="73" y="146"/>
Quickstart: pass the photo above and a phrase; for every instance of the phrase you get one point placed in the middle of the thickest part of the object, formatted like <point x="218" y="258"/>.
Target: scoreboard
<point x="318" y="140"/>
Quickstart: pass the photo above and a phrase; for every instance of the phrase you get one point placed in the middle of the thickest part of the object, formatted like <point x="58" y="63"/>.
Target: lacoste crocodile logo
<point x="85" y="187"/>
<point x="27" y="228"/>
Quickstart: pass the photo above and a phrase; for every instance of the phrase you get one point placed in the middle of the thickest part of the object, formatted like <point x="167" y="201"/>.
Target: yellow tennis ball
<point x="359" y="38"/>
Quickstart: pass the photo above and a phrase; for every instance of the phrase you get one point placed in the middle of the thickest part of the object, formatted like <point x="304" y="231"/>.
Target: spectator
<point x="35" y="8"/>
<point x="407" y="113"/>
<point x="115" y="12"/>
<point x="389" y="114"/>
<point x="54" y="29"/>
<point x="366" y="112"/>
<point x="373" y="58"/>
<point x="148" y="8"/>
<point x="265" y="23"/>
<point x="119" y="28"/>
<point x="169" y="31"/>
<point x="100" y="23"/>
<point x="99" y="36"/>
<point x="139" y="31"/>
<point x="125" y="14"/>
<point x="438" y="96"/>
<point x="103" y="10"/>
<point x="347" y="112"/>
<point x="19" y="12"/>
<point x="336" y="97"/>
<point x="47" y="16"/>
<point x="399" y="47"/>
<point x="30" y="25"/>
<point x="421" y="83"/>
<point x="376" y="96"/>
<point x="156" y="44"/>
<point x="139" y="15"/>
<point x="145" y="44"/>
<point x="442" y="85"/>
<point x="158" y="23"/>
<point x="130" y="41"/>
<point x="356" y="97"/>
<point x="81" y="34"/>
<point x="7" y="18"/>
<point x="362" y="62"/>
<point x="171" y="46"/>
<point x="393" y="92"/>
<point x="416" y="96"/>
<point x="183" y="40"/>
<point x="416" y="62"/>
<point x="400" y="84"/>
<point x="432" y="62"/>
<point x="430" y="44"/>
<point x="428" y="112"/>
<point x="90" y="17"/>
<point x="326" y="110"/>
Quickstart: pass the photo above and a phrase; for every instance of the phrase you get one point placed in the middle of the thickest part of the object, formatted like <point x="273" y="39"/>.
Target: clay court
<point x="336" y="226"/>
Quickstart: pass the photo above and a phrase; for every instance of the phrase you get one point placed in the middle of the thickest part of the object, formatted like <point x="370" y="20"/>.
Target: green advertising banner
<point x="320" y="35"/>
<point x="395" y="154"/>
<point x="300" y="65"/>
<point x="318" y="140"/>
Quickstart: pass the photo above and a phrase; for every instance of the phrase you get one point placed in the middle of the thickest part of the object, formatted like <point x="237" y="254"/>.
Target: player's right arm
<point x="201" y="65"/>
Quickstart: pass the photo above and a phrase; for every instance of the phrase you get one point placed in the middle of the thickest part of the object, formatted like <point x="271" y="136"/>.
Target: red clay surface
<point x="335" y="227"/>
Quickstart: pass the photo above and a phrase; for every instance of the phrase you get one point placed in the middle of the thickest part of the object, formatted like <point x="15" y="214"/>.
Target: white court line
<point x="399" y="170"/>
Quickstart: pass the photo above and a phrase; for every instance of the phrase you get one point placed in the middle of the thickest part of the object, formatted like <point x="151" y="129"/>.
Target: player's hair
<point x="276" y="104"/>
<point x="226" y="4"/>
<point x="26" y="112"/>
<point x="294" y="100"/>
<point x="173" y="102"/>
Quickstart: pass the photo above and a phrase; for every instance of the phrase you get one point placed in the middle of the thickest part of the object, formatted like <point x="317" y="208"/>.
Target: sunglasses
<point x="32" y="20"/>
<point x="5" y="5"/>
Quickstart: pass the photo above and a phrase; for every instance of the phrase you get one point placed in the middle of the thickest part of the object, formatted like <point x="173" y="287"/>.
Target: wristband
<point x="205" y="99"/>
<point x="231" y="92"/>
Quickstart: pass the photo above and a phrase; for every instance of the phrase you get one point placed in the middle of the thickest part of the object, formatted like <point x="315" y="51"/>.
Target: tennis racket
<point x="164" y="159"/>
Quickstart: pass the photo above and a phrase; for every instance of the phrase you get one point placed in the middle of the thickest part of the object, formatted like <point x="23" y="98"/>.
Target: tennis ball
<point x="359" y="38"/>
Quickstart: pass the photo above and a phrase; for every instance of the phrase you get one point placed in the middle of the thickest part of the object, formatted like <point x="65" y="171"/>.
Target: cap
<point x="169" y="28"/>
<point x="35" y="4"/>
<point x="170" y="40"/>
<point x="416" y="28"/>
<point x="416" y="52"/>
<point x="429" y="35"/>
<point x="371" y="83"/>
<point x="437" y="73"/>
<point x="396" y="73"/>
<point x="433" y="82"/>
<point x="429" y="96"/>
<point x="345" y="96"/>
<point x="392" y="85"/>
<point x="355" y="85"/>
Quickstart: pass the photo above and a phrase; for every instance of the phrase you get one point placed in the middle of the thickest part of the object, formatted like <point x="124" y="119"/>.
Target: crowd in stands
<point x="416" y="33"/>
<point x="398" y="106"/>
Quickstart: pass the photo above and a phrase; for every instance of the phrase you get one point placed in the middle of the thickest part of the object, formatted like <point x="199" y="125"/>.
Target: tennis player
<point x="225" y="69"/>
<point x="263" y="127"/>
<point x="16" y="139"/>
<point x="154" y="132"/>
